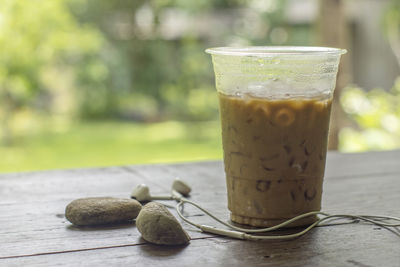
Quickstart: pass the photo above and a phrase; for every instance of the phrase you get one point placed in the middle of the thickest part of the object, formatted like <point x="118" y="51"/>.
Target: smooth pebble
<point x="157" y="225"/>
<point x="101" y="210"/>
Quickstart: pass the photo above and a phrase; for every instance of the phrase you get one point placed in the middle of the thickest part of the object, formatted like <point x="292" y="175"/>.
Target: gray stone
<point x="101" y="210"/>
<point x="157" y="225"/>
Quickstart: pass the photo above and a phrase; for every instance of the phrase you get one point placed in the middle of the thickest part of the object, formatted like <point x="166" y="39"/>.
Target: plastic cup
<point x="275" y="105"/>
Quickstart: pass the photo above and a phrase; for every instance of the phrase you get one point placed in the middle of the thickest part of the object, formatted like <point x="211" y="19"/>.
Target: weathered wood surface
<point x="34" y="232"/>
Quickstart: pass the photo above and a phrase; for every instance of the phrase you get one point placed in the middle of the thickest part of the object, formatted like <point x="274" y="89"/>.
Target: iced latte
<point x="274" y="155"/>
<point x="275" y="104"/>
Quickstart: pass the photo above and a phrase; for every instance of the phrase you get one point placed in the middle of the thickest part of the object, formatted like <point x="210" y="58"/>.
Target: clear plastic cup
<point x="275" y="105"/>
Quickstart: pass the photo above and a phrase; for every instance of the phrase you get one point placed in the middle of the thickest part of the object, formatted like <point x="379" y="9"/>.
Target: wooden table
<point x="34" y="231"/>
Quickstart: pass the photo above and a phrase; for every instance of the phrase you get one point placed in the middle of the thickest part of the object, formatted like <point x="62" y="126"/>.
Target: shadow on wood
<point x="124" y="225"/>
<point x="152" y="250"/>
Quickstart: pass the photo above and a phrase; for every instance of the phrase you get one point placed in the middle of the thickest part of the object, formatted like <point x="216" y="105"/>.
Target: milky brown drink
<point x="274" y="154"/>
<point x="275" y="107"/>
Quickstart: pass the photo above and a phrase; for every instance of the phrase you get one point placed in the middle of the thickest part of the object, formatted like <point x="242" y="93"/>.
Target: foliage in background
<point x="66" y="66"/>
<point x="160" y="46"/>
<point x="377" y="116"/>
<point x="43" y="51"/>
<point x="64" y="60"/>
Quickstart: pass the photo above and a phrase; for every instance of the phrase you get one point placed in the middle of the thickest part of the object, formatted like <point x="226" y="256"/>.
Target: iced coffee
<point x="274" y="155"/>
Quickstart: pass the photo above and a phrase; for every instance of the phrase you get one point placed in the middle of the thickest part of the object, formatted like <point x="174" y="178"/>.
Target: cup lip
<point x="272" y="51"/>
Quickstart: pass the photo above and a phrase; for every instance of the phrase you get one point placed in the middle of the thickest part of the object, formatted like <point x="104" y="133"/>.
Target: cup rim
<point x="271" y="51"/>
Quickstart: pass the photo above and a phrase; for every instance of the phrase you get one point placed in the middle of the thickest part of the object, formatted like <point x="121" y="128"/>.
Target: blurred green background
<point x="97" y="83"/>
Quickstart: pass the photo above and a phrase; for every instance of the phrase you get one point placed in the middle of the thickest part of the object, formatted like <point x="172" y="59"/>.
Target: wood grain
<point x="33" y="230"/>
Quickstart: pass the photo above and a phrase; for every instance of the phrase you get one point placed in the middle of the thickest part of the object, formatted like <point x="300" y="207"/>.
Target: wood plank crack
<point x="87" y="249"/>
